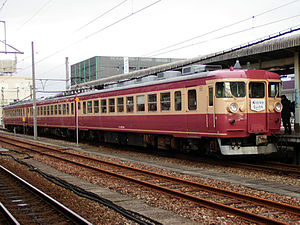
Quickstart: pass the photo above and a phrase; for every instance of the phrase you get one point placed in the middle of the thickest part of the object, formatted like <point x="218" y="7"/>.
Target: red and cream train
<point x="234" y="112"/>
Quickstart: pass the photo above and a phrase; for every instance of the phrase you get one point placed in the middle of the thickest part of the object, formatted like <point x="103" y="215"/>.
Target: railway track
<point x="251" y="208"/>
<point x="22" y="203"/>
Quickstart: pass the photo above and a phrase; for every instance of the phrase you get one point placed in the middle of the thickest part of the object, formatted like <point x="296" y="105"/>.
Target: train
<point x="201" y="108"/>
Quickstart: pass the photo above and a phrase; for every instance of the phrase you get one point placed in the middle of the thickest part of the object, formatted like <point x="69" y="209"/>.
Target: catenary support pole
<point x="34" y="95"/>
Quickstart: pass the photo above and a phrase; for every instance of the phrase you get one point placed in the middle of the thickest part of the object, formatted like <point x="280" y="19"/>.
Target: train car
<point x="232" y="112"/>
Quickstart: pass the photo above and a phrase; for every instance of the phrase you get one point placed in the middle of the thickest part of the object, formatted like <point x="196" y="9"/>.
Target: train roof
<point x="160" y="78"/>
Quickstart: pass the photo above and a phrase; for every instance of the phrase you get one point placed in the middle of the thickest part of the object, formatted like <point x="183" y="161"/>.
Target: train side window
<point x="103" y="106"/>
<point x="45" y="110"/>
<point x="178" y="101"/>
<point x="79" y="106"/>
<point x="72" y="108"/>
<point x="96" y="106"/>
<point x="84" y="107"/>
<point x="165" y="101"/>
<point x="89" y="107"/>
<point x="51" y="110"/>
<point x="64" y="109"/>
<point x="152" y="102"/>
<point x="111" y="103"/>
<point x="129" y="104"/>
<point x="48" y="110"/>
<point x="120" y="104"/>
<point x="55" y="109"/>
<point x="68" y="109"/>
<point x="59" y="109"/>
<point x="211" y="96"/>
<point x="192" y="99"/>
<point x="140" y="103"/>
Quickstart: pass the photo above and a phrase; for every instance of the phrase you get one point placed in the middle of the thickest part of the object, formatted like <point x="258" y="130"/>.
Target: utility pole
<point x="34" y="95"/>
<point x="67" y="74"/>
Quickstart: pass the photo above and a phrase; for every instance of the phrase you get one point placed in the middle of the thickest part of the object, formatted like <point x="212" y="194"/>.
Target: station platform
<point x="291" y="141"/>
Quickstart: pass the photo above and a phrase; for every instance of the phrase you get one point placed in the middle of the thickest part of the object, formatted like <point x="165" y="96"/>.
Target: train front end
<point x="251" y="106"/>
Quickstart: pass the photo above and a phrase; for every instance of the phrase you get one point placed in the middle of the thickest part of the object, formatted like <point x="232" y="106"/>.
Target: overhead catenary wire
<point x="100" y="16"/>
<point x="219" y="29"/>
<point x="3" y="5"/>
<point x="35" y="14"/>
<point x="225" y="35"/>
<point x="94" y="33"/>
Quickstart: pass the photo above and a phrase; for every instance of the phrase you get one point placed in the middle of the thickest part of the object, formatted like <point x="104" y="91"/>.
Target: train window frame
<point x="176" y="108"/>
<point x="96" y="106"/>
<point x="120" y="104"/>
<point x="84" y="107"/>
<point x="129" y="104"/>
<point x="277" y="93"/>
<point x="72" y="108"/>
<point x="192" y="103"/>
<point x="64" y="109"/>
<point x="140" y="103"/>
<point x="89" y="107"/>
<point x="59" y="109"/>
<point x="165" y="102"/>
<point x="111" y="105"/>
<point x="152" y="102"/>
<point x="210" y="96"/>
<point x="230" y="89"/>
<point x="256" y="89"/>
<point x="103" y="105"/>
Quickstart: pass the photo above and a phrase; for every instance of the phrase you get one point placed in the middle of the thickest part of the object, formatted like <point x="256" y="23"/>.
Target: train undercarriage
<point x="253" y="145"/>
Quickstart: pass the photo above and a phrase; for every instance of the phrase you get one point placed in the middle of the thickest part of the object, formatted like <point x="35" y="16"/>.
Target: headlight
<point x="278" y="107"/>
<point x="233" y="107"/>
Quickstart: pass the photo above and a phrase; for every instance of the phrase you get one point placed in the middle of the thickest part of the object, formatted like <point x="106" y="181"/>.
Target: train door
<point x="257" y="114"/>
<point x="192" y="116"/>
<point x="210" y="117"/>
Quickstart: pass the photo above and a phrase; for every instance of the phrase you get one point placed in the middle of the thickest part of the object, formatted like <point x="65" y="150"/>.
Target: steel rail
<point x="66" y="211"/>
<point x="8" y="216"/>
<point x="210" y="204"/>
<point x="241" y="196"/>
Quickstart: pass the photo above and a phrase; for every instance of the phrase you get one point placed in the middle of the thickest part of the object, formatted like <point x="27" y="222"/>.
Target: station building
<point x="99" y="67"/>
<point x="14" y="88"/>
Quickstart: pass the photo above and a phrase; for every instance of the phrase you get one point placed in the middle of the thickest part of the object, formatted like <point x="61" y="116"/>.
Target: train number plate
<point x="258" y="105"/>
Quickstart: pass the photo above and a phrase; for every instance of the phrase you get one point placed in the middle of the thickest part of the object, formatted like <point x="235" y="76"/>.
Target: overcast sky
<point x="82" y="29"/>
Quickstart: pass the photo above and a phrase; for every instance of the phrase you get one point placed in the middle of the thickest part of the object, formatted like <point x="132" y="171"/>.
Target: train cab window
<point x="274" y="89"/>
<point x="96" y="106"/>
<point x="211" y="96"/>
<point x="103" y="106"/>
<point x="64" y="109"/>
<point x="59" y="109"/>
<point x="129" y="104"/>
<point x="55" y="109"/>
<point x="165" y="101"/>
<point x="84" y="107"/>
<point x="152" y="102"/>
<point x="120" y="104"/>
<point x="178" y="100"/>
<point x="256" y="90"/>
<point x="192" y="99"/>
<point x="111" y="103"/>
<point x="230" y="89"/>
<point x="51" y="109"/>
<point x="140" y="103"/>
<point x="89" y="107"/>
